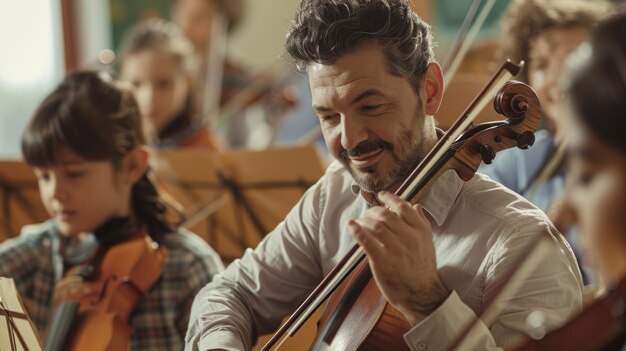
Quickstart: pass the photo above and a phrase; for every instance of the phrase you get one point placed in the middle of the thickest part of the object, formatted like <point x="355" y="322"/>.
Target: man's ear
<point x="135" y="164"/>
<point x="433" y="88"/>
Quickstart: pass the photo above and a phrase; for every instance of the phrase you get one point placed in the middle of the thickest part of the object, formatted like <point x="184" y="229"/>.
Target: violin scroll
<point x="520" y="105"/>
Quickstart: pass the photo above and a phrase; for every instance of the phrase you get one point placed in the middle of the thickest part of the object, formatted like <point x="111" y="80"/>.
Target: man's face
<point x="547" y="55"/>
<point x="373" y="122"/>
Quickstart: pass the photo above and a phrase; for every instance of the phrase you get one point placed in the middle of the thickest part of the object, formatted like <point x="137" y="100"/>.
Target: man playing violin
<point x="375" y="87"/>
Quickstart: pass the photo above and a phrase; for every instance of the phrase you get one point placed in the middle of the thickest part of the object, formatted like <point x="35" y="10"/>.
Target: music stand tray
<point x="233" y="199"/>
<point x="17" y="332"/>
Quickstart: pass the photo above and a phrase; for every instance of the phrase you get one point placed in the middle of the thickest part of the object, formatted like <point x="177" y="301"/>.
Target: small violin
<point x="95" y="299"/>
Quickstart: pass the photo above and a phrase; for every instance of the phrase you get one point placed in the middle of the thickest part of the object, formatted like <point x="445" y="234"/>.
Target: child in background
<point x="595" y="88"/>
<point x="157" y="60"/>
<point x="244" y="122"/>
<point x="596" y="192"/>
<point x="85" y="146"/>
<point x="542" y="33"/>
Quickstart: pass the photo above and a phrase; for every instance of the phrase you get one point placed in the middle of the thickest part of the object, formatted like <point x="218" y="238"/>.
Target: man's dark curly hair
<point x="324" y="30"/>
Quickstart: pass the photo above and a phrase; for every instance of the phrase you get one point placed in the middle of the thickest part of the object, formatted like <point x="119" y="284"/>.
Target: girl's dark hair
<point x="597" y="81"/>
<point x="325" y="30"/>
<point x="98" y="121"/>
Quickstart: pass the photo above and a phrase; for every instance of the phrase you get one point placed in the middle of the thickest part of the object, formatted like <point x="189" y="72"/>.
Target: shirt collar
<point x="437" y="202"/>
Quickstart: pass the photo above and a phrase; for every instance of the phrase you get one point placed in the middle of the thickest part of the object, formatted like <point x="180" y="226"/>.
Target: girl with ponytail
<point x="86" y="148"/>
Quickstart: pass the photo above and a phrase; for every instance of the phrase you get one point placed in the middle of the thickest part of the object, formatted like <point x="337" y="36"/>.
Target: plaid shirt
<point x="159" y="320"/>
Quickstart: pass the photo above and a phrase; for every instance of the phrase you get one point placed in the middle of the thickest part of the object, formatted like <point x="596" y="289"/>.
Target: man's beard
<point x="409" y="154"/>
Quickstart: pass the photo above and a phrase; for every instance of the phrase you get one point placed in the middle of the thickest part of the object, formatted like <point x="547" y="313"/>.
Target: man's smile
<point x="367" y="159"/>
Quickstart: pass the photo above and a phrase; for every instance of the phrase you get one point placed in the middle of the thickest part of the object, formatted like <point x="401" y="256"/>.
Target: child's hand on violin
<point x="397" y="239"/>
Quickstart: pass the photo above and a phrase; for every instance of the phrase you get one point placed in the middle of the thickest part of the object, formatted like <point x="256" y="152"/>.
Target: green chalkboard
<point x="125" y="14"/>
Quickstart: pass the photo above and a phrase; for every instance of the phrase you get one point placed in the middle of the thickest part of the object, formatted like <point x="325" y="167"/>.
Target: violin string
<point x="282" y="341"/>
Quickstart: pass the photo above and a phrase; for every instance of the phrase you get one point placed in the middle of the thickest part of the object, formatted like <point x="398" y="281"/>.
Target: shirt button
<point x="422" y="346"/>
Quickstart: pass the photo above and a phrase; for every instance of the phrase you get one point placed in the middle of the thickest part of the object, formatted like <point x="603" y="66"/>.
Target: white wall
<point x="260" y="39"/>
<point x="30" y="64"/>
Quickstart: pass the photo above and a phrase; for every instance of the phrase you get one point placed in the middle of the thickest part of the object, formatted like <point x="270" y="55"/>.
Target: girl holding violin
<point x="85" y="145"/>
<point x="157" y="60"/>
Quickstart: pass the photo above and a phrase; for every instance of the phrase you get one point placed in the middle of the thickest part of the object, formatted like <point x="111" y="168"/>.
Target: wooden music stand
<point x="20" y="203"/>
<point x="17" y="332"/>
<point x="234" y="199"/>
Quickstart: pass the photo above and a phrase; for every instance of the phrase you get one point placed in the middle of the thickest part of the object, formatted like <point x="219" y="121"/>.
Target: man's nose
<point x="353" y="132"/>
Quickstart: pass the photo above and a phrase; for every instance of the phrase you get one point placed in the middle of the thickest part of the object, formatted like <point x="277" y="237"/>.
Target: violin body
<point x="357" y="316"/>
<point x="95" y="302"/>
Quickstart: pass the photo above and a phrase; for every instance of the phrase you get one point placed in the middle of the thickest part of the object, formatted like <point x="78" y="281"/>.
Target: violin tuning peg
<point x="487" y="153"/>
<point x="525" y="140"/>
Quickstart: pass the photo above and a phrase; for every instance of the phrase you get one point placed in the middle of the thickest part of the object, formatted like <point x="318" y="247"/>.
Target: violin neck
<point x="61" y="326"/>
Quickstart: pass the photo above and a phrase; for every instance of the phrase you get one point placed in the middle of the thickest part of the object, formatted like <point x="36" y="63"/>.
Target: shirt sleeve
<point x="255" y="292"/>
<point x="18" y="256"/>
<point x="446" y="325"/>
<point x="551" y="294"/>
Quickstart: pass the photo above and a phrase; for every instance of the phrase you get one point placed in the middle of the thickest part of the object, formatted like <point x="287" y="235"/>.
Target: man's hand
<point x="397" y="239"/>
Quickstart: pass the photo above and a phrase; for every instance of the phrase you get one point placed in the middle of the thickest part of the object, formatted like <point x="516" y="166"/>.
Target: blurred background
<point x="41" y="40"/>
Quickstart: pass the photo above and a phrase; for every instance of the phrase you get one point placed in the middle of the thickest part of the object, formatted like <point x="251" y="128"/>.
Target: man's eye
<point x="371" y="108"/>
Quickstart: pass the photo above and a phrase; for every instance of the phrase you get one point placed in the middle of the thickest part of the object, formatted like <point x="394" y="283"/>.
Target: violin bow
<point x="465" y="43"/>
<point x="215" y="59"/>
<point x="549" y="169"/>
<point x="460" y="38"/>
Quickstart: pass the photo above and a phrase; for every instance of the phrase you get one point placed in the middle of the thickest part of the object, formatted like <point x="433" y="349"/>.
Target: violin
<point x="357" y="316"/>
<point x="600" y="326"/>
<point x="95" y="299"/>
